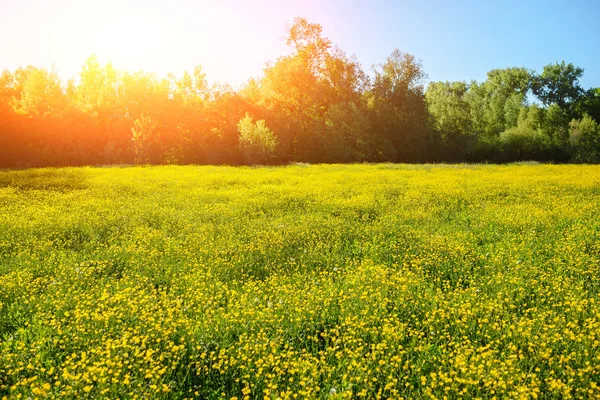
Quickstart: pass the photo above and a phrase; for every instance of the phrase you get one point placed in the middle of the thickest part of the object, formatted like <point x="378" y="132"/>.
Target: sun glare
<point x="230" y="40"/>
<point x="134" y="38"/>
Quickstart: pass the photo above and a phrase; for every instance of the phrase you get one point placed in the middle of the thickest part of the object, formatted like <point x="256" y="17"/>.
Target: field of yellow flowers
<point x="331" y="281"/>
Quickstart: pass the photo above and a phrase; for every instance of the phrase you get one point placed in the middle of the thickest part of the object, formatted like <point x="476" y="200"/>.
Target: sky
<point x="233" y="39"/>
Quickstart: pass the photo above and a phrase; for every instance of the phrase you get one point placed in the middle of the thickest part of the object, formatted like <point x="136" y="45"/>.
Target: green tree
<point x="495" y="103"/>
<point x="398" y="108"/>
<point x="589" y="103"/>
<point x="348" y="135"/>
<point x="558" y="84"/>
<point x="450" y="112"/>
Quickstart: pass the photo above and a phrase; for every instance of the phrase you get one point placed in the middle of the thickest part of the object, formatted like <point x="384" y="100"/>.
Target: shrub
<point x="584" y="135"/>
<point x="487" y="148"/>
<point x="525" y="143"/>
<point x="256" y="141"/>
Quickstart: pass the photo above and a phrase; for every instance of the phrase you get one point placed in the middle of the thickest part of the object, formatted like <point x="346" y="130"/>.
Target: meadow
<point x="326" y="281"/>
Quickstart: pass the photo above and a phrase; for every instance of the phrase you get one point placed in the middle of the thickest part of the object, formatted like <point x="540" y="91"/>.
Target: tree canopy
<point x="316" y="104"/>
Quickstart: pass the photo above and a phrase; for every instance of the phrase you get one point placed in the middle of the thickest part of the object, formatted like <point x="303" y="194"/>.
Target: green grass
<point x="332" y="281"/>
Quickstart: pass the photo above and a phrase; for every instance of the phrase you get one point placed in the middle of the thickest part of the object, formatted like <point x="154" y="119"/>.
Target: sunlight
<point x="135" y="38"/>
<point x="231" y="40"/>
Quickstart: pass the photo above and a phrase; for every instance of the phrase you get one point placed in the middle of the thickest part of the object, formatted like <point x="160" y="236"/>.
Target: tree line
<point x="314" y="105"/>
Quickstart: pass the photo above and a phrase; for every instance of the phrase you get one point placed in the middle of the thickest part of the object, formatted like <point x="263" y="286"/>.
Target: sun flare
<point x="133" y="37"/>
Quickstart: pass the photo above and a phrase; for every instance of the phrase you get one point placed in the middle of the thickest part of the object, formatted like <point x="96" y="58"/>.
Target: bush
<point x="256" y="141"/>
<point x="525" y="143"/>
<point x="488" y="148"/>
<point x="584" y="135"/>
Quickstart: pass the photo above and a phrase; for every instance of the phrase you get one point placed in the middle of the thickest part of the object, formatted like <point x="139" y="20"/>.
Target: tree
<point x="39" y="93"/>
<point x="307" y="40"/>
<point x="558" y="84"/>
<point x="192" y="89"/>
<point x="509" y="81"/>
<point x="348" y="135"/>
<point x="146" y="137"/>
<point x="318" y="100"/>
<point x="97" y="93"/>
<point x="398" y="105"/>
<point x="401" y="73"/>
<point x="297" y="91"/>
<point x="495" y="103"/>
<point x="450" y="112"/>
<point x="589" y="103"/>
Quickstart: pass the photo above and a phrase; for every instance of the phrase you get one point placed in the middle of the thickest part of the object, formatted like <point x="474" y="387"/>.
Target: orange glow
<point x="130" y="36"/>
<point x="230" y="39"/>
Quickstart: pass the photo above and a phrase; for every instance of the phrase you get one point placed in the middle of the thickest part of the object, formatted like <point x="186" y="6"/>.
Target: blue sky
<point x="232" y="39"/>
<point x="462" y="40"/>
